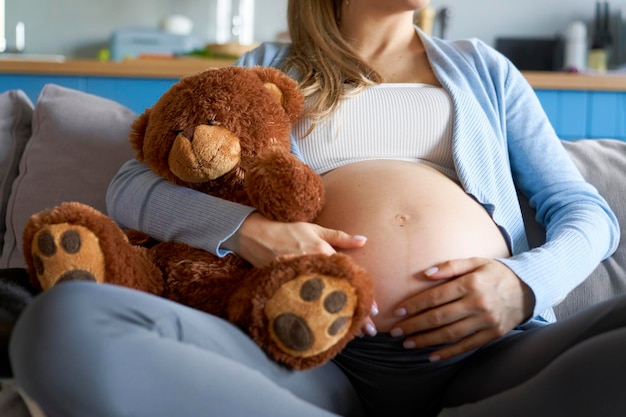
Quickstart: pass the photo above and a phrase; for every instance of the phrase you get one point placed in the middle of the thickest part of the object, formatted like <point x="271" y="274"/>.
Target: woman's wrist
<point x="234" y="242"/>
<point x="247" y="241"/>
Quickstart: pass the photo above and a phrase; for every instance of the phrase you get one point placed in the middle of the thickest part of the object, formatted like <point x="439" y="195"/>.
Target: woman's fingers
<point x="481" y="300"/>
<point x="341" y="240"/>
<point x="453" y="268"/>
<point x="369" y="328"/>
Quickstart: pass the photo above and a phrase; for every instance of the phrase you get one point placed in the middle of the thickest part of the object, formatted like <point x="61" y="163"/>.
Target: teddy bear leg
<point x="66" y="252"/>
<point x="198" y="279"/>
<point x="74" y="242"/>
<point x="304" y="310"/>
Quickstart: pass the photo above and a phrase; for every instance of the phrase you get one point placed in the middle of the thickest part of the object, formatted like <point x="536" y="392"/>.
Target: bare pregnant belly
<point x="413" y="217"/>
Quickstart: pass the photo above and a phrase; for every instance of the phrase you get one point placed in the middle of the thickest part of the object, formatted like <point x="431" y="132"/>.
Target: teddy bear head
<point x="204" y="130"/>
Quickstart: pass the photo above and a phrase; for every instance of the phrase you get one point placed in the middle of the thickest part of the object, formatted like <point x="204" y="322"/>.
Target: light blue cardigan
<point x="502" y="140"/>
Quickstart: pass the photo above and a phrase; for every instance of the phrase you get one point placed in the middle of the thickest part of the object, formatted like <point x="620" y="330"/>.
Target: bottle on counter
<point x="424" y="18"/>
<point x="575" y="59"/>
<point x="601" y="39"/>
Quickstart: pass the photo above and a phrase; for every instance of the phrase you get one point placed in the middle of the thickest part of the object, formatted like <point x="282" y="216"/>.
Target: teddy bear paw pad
<point x="67" y="252"/>
<point x="311" y="313"/>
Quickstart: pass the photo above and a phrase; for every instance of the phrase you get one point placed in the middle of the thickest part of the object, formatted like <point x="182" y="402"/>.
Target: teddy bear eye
<point x="212" y="122"/>
<point x="178" y="132"/>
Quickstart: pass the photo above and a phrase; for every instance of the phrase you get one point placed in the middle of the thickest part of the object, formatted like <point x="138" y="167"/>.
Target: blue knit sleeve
<point x="139" y="199"/>
<point x="581" y="229"/>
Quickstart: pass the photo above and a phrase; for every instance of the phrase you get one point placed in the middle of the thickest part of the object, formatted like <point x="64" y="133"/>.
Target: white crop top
<point x="408" y="122"/>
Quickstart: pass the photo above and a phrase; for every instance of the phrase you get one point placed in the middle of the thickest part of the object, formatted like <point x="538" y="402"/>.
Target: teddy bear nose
<point x="207" y="153"/>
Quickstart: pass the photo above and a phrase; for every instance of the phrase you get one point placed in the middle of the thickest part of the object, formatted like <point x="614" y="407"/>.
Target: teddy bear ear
<point x="283" y="88"/>
<point x="138" y="133"/>
<point x="274" y="90"/>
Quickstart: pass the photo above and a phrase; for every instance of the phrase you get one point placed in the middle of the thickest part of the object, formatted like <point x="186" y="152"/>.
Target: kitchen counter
<point x="570" y="81"/>
<point x="174" y="68"/>
<point x="142" y="68"/>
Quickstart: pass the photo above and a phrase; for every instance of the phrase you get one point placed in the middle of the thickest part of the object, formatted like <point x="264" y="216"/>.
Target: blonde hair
<point x="329" y="68"/>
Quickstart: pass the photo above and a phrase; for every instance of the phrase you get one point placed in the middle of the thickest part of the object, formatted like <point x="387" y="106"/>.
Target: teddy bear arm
<point x="281" y="187"/>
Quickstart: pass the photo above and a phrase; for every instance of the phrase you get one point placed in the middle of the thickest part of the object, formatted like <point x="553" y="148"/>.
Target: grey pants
<point x="96" y="350"/>
<point x="91" y="350"/>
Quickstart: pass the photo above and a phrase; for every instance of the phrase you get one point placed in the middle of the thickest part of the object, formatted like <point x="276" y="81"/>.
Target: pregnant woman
<point x="423" y="145"/>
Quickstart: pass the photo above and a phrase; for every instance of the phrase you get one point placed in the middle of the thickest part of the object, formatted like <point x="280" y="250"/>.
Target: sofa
<point x="69" y="144"/>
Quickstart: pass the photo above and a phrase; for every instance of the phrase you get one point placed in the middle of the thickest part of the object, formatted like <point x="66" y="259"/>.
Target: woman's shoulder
<point x="468" y="59"/>
<point x="271" y="54"/>
<point x="468" y="49"/>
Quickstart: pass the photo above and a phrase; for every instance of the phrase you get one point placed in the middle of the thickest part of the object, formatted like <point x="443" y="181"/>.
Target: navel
<point x="402" y="219"/>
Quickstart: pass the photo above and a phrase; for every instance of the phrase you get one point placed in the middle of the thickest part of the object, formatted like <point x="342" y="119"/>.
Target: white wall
<point x="81" y="27"/>
<point x="488" y="19"/>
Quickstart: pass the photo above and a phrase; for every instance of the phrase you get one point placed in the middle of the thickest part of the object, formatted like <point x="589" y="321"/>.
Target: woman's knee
<point x="52" y="314"/>
<point x="55" y="331"/>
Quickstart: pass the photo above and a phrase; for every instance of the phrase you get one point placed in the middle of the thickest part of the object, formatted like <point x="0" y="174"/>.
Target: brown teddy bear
<point x="225" y="132"/>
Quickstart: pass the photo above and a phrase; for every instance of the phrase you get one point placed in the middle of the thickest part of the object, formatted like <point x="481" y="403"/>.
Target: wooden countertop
<point x="570" y="81"/>
<point x="140" y="68"/>
<point x="176" y="68"/>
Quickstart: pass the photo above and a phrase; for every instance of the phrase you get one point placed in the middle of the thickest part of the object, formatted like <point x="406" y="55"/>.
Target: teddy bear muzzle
<point x="211" y="152"/>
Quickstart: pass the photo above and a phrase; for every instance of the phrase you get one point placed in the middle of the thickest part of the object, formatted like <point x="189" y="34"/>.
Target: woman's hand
<point x="260" y="240"/>
<point x="478" y="300"/>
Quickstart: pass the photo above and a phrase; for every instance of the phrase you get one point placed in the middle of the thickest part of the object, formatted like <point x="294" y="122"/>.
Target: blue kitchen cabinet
<point x="134" y="93"/>
<point x="607" y="115"/>
<point x="585" y="114"/>
<point x="32" y="84"/>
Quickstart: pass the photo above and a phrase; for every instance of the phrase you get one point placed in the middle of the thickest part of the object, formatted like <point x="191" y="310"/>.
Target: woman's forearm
<point x="139" y="199"/>
<point x="581" y="229"/>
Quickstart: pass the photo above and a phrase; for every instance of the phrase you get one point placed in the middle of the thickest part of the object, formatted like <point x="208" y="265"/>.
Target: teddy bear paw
<point x="310" y="314"/>
<point x="67" y="252"/>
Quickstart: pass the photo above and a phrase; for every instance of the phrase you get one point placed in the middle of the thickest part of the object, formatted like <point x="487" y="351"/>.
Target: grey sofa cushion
<point x="16" y="113"/>
<point x="79" y="142"/>
<point x="603" y="163"/>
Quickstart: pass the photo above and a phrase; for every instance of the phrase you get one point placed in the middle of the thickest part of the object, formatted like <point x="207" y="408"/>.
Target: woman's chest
<point x="391" y="121"/>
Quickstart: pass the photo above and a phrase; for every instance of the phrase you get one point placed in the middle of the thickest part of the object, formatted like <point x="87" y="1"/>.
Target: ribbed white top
<point x="409" y="122"/>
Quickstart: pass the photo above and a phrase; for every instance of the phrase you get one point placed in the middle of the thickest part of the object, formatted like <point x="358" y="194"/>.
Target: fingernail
<point x="431" y="271"/>
<point x="434" y="358"/>
<point x="401" y="312"/>
<point x="408" y="344"/>
<point x="370" y="329"/>
<point x="374" y="311"/>
<point x="396" y="332"/>
<point x="359" y="237"/>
